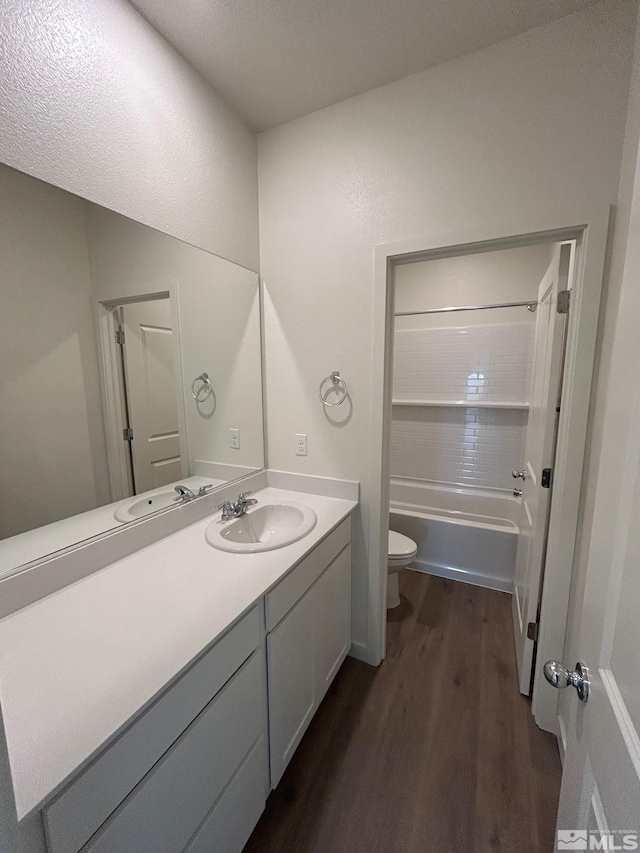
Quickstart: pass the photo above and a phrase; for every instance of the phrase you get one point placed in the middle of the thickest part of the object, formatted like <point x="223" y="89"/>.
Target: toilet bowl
<point x="401" y="552"/>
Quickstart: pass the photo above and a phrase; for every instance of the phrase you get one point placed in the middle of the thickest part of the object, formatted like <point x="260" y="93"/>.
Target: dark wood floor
<point x="433" y="751"/>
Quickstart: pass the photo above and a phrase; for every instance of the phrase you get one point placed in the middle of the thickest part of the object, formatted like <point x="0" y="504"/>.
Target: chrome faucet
<point x="186" y="494"/>
<point x="239" y="508"/>
<point x="244" y="503"/>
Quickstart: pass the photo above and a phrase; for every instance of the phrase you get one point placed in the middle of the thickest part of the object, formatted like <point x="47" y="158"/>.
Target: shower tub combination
<point x="464" y="533"/>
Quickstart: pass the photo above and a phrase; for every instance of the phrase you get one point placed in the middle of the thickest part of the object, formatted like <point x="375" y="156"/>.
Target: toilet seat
<point x="401" y="549"/>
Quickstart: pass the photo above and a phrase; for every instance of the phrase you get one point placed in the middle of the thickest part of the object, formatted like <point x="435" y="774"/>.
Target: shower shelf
<point x="470" y="404"/>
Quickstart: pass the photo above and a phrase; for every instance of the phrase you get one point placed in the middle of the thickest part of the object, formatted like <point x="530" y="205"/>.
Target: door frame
<point x="115" y="416"/>
<point x="590" y="228"/>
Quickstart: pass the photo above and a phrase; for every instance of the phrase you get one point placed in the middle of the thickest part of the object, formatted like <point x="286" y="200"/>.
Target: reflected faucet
<point x="184" y="494"/>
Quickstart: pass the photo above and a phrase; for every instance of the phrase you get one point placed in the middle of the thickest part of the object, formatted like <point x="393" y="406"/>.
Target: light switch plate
<point x="301" y="444"/>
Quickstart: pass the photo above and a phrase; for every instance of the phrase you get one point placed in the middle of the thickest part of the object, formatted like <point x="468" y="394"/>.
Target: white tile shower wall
<point x="468" y="446"/>
<point x="489" y="363"/>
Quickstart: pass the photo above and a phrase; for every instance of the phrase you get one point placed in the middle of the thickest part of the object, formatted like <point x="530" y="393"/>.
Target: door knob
<point x="559" y="677"/>
<point x="522" y="475"/>
<point x="517" y="493"/>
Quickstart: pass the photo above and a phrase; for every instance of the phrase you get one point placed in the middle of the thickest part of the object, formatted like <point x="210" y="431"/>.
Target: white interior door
<point x="601" y="782"/>
<point x="151" y="394"/>
<point x="539" y="451"/>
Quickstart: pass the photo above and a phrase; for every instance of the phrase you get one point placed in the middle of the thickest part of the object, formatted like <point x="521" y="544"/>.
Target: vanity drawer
<point x="297" y="582"/>
<point x="165" y="810"/>
<point x="77" y="813"/>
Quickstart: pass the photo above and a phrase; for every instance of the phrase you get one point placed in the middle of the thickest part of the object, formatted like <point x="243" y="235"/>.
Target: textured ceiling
<point x="275" y="60"/>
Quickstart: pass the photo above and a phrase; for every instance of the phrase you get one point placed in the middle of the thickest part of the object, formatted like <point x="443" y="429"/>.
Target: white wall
<point x="52" y="442"/>
<point x="93" y="100"/>
<point x="514" y="130"/>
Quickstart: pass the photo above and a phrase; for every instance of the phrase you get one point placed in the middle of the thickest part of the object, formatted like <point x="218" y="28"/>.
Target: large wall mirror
<point x="130" y="364"/>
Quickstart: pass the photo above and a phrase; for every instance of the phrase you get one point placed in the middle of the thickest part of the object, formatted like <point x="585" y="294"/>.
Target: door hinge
<point x="127" y="434"/>
<point x="547" y="478"/>
<point x="532" y="631"/>
<point x="120" y="336"/>
<point x="564" y="301"/>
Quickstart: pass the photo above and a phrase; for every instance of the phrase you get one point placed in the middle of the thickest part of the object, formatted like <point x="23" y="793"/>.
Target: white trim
<point x="590" y="228"/>
<point x="381" y="395"/>
<point x="570" y="452"/>
<point x="358" y="651"/>
<point x="626" y="724"/>
<point x="598" y="811"/>
<point x="114" y="415"/>
<point x="182" y="402"/>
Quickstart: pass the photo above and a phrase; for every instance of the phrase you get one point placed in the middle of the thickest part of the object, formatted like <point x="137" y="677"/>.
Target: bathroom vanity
<point x="158" y="665"/>
<point x="153" y="704"/>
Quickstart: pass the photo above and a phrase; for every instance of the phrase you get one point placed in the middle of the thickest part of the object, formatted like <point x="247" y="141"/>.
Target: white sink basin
<point x="139" y="507"/>
<point x="263" y="528"/>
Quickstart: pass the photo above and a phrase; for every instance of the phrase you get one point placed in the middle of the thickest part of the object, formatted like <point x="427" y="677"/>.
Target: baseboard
<point x="464" y="575"/>
<point x="358" y="651"/>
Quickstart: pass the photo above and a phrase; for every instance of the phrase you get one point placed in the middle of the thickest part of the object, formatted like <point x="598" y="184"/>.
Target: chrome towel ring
<point x="338" y="384"/>
<point x="204" y="391"/>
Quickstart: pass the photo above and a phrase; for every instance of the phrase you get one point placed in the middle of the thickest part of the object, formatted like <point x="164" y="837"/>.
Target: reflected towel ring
<point x="336" y="380"/>
<point x="198" y="396"/>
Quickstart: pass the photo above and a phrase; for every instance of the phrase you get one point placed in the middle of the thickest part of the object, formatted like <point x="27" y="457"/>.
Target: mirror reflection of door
<point x="151" y="393"/>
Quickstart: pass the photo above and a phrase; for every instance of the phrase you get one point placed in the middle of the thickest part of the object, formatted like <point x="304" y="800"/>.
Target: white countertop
<point x="76" y="666"/>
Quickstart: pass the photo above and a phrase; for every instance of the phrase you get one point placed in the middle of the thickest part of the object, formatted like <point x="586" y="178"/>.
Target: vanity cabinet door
<point x="292" y="689"/>
<point x="332" y="620"/>
<point x="305" y="651"/>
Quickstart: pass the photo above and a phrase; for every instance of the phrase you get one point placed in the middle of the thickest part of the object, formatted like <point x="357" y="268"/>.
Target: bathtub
<point x="464" y="533"/>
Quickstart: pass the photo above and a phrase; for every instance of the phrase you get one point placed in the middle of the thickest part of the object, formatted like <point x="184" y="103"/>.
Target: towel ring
<point x="198" y="396"/>
<point x="336" y="380"/>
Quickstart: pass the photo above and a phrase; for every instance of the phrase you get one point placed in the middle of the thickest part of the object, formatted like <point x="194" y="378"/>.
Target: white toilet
<point x="401" y="552"/>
